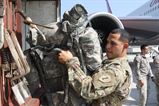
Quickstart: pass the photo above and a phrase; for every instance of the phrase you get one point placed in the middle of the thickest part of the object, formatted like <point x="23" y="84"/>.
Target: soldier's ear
<point x="126" y="45"/>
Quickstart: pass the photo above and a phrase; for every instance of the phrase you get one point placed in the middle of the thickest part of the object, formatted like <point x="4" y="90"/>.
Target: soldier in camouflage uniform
<point x="110" y="84"/>
<point x="143" y="74"/>
<point x="156" y="74"/>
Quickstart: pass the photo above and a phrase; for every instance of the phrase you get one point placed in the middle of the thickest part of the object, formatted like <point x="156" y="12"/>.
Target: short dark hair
<point x="124" y="35"/>
<point x="143" y="46"/>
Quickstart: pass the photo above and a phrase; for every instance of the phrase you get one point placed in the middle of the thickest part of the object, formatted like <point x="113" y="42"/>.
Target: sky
<point x="120" y="8"/>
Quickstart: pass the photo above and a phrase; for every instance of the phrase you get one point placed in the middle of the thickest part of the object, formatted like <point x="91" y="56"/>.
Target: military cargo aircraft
<point x="143" y="23"/>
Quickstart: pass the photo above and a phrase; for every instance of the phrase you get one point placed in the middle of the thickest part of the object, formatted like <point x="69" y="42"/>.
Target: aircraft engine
<point x="103" y="23"/>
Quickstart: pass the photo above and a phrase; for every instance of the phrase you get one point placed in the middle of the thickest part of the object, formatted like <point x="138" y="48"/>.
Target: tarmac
<point x="133" y="99"/>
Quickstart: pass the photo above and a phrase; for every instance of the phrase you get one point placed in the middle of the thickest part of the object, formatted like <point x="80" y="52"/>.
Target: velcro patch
<point x="105" y="79"/>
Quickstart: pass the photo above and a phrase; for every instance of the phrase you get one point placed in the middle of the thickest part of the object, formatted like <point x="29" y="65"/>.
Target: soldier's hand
<point x="141" y="83"/>
<point x="64" y="56"/>
<point x="28" y="21"/>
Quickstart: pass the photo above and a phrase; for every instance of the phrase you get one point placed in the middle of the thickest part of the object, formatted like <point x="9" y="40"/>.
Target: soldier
<point x="110" y="84"/>
<point x="143" y="73"/>
<point x="156" y="73"/>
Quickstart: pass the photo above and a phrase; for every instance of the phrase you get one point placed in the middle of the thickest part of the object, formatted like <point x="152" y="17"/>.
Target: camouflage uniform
<point x="156" y="64"/>
<point x="53" y="36"/>
<point x="88" y="42"/>
<point x="73" y="34"/>
<point x="89" y="45"/>
<point x="143" y="72"/>
<point x="87" y="39"/>
<point x="108" y="86"/>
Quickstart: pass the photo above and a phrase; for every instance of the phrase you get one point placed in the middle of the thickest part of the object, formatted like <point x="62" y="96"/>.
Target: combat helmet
<point x="74" y="18"/>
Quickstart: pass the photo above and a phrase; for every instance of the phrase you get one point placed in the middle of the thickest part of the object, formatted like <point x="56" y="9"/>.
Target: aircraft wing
<point x="144" y="30"/>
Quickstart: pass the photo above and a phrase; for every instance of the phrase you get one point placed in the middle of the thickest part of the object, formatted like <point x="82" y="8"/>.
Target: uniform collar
<point x="143" y="55"/>
<point x="116" y="59"/>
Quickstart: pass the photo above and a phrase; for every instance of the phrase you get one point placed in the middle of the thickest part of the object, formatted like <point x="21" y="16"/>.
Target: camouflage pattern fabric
<point x="156" y="74"/>
<point x="109" y="86"/>
<point x="156" y="64"/>
<point x="88" y="42"/>
<point x="143" y="67"/>
<point x="143" y="72"/>
<point x="53" y="36"/>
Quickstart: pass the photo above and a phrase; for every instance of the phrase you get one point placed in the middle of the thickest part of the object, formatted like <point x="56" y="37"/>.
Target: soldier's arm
<point x="137" y="63"/>
<point x="101" y="84"/>
<point x="151" y="73"/>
